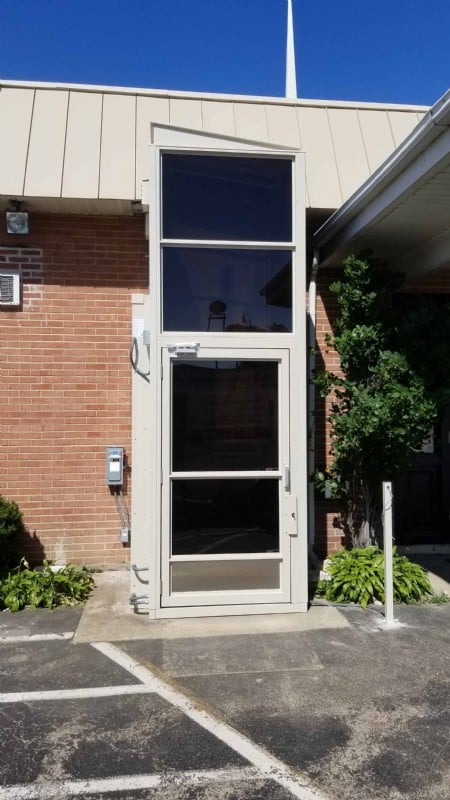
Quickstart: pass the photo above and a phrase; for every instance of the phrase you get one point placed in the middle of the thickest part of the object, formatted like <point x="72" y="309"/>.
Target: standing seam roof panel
<point x="351" y="158"/>
<point x="82" y="154"/>
<point x="118" y="147"/>
<point x="321" y="172"/>
<point x="377" y="136"/>
<point x="186" y="113"/>
<point x="251" y="122"/>
<point x="283" y="126"/>
<point x="16" y="108"/>
<point x="47" y="143"/>
<point x="218" y="117"/>
<point x="402" y="123"/>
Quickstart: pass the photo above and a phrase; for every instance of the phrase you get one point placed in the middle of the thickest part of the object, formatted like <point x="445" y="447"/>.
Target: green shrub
<point x="45" y="588"/>
<point x="358" y="576"/>
<point x="11" y="527"/>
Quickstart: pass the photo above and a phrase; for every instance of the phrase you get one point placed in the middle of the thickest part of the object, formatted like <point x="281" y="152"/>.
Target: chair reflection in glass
<point x="217" y="314"/>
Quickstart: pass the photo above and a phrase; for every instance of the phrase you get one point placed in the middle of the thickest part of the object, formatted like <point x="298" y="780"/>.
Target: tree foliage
<point x="390" y="391"/>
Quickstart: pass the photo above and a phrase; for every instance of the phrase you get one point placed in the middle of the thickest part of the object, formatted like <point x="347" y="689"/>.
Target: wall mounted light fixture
<point x="16" y="219"/>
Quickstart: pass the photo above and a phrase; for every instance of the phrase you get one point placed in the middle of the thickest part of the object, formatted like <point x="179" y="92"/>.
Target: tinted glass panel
<point x="225" y="415"/>
<point x="227" y="290"/>
<point x="224" y="516"/>
<point x="225" y="576"/>
<point x="226" y="197"/>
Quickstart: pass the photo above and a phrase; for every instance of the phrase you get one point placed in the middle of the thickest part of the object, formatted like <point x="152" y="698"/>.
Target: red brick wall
<point x="329" y="537"/>
<point x="66" y="380"/>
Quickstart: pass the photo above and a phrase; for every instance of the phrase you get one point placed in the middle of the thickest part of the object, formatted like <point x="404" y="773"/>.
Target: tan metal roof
<point x="90" y="142"/>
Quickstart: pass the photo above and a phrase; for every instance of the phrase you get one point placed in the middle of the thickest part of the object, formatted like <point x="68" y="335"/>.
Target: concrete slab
<point x="227" y="655"/>
<point x="56" y="665"/>
<point x="108" y="614"/>
<point x="108" y="617"/>
<point x="101" y="738"/>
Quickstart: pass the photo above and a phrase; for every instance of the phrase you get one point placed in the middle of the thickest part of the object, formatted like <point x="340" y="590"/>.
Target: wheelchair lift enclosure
<point x="219" y="515"/>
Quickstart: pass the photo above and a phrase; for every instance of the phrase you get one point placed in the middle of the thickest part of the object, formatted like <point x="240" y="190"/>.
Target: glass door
<point x="225" y="467"/>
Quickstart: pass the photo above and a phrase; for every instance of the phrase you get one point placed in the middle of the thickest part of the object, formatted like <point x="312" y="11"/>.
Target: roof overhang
<point x="74" y="205"/>
<point x="72" y="148"/>
<point x="402" y="212"/>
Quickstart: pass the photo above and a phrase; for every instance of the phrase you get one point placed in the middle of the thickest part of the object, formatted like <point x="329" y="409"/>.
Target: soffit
<point x="87" y="143"/>
<point x="412" y="231"/>
<point x="415" y="235"/>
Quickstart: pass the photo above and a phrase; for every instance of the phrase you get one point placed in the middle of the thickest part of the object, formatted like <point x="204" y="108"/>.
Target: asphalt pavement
<point x="352" y="710"/>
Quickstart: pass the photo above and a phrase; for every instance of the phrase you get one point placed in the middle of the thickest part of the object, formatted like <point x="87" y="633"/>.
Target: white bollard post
<point x="387" y="542"/>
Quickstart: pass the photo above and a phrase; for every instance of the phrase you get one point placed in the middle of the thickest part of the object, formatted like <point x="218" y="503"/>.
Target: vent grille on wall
<point x="9" y="288"/>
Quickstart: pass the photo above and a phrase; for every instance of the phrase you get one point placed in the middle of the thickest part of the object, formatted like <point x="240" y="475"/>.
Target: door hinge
<point x="161" y="587"/>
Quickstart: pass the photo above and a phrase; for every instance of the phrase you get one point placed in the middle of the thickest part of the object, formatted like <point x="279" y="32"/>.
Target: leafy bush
<point x="11" y="527"/>
<point x="358" y="576"/>
<point x="45" y="589"/>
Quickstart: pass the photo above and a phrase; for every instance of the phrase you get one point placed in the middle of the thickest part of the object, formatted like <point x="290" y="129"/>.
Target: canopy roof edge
<point x="424" y="154"/>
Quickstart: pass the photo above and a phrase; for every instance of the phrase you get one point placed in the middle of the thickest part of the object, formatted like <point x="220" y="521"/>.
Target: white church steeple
<point x="291" y="79"/>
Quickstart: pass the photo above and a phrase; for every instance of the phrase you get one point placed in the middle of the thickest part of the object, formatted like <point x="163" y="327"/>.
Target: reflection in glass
<point x="208" y="289"/>
<point x="225" y="516"/>
<point x="233" y="198"/>
<point x="219" y="576"/>
<point x="225" y="415"/>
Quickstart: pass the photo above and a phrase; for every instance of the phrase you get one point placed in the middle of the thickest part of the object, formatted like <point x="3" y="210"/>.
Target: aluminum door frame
<point x="241" y="597"/>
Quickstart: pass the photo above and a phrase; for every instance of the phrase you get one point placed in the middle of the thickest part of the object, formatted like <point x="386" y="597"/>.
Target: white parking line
<point x="267" y="765"/>
<point x="37" y="637"/>
<point x="74" y="694"/>
<point x="122" y="783"/>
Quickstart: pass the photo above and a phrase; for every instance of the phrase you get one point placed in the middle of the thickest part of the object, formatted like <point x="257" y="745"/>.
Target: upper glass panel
<point x="218" y="290"/>
<point x="230" y="198"/>
<point x="225" y="415"/>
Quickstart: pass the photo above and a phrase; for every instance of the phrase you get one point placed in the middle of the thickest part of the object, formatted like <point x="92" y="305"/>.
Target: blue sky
<point x="386" y="51"/>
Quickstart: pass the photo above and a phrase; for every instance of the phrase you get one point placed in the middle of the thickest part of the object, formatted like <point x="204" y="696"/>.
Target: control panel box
<point x="114" y="465"/>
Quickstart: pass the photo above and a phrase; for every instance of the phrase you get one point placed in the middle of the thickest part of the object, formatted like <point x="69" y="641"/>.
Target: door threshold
<point x="227" y="611"/>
